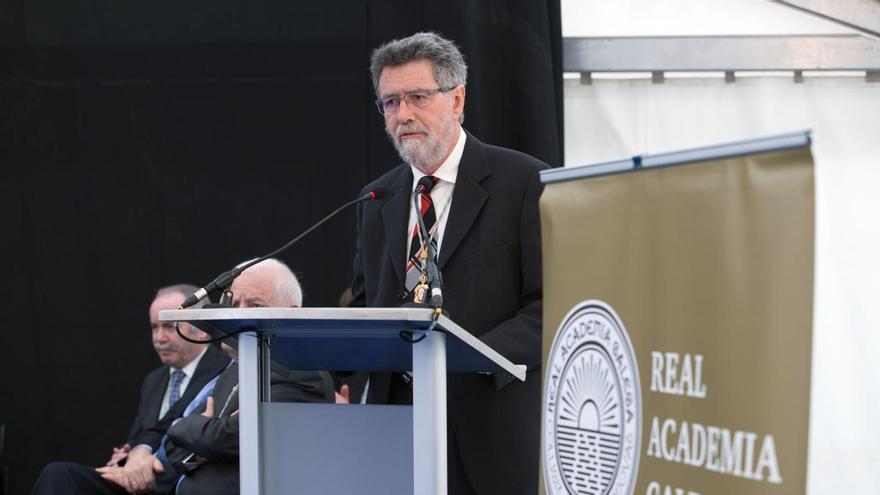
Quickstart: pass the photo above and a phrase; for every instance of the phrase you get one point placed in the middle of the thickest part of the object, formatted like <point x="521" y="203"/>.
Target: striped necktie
<point x="429" y="216"/>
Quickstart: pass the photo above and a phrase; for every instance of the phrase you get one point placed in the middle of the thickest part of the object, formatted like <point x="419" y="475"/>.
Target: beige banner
<point x="707" y="270"/>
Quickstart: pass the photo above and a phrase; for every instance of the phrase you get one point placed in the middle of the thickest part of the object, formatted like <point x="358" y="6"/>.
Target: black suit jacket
<point x="490" y="260"/>
<point x="148" y="428"/>
<point x="216" y="439"/>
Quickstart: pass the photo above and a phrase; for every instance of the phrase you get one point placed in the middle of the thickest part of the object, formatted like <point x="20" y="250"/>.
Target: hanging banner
<point x="678" y="306"/>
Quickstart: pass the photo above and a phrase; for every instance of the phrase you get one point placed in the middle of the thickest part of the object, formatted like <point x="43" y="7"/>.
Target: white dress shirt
<point x="188" y="372"/>
<point x="441" y="194"/>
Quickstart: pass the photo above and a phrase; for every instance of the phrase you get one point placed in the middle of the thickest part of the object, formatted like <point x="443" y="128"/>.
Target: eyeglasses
<point x="419" y="98"/>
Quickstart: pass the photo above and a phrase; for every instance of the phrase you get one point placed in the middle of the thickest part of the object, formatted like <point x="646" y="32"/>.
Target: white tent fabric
<point x="615" y="119"/>
<point x="687" y="17"/>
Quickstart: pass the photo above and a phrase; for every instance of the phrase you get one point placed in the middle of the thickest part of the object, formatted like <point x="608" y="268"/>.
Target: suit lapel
<point x="227" y="381"/>
<point x="395" y="214"/>
<point x="157" y="395"/>
<point x="468" y="197"/>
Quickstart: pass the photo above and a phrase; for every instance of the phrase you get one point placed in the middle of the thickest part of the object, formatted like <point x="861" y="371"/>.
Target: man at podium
<point x="479" y="204"/>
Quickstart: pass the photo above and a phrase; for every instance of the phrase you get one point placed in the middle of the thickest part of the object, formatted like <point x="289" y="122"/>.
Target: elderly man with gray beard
<point x="480" y="206"/>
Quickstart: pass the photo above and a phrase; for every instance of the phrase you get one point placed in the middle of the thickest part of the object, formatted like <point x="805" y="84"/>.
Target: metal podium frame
<point x="362" y="339"/>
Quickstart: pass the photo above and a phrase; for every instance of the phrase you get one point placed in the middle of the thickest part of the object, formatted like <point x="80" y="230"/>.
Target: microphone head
<point x="379" y="192"/>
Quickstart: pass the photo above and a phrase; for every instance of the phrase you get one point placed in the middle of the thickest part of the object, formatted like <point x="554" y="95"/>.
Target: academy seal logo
<point x="592" y="406"/>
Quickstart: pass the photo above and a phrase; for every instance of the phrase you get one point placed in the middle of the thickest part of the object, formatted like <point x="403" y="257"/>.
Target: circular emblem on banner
<point x="592" y="406"/>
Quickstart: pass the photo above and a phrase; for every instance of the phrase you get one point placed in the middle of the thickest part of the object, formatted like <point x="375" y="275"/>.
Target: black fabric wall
<point x="149" y="143"/>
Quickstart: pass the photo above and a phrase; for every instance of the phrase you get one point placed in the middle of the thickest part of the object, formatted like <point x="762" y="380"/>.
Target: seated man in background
<point x="165" y="392"/>
<point x="201" y="451"/>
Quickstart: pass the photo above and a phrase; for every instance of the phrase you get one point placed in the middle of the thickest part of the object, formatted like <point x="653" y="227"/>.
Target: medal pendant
<point x="420" y="289"/>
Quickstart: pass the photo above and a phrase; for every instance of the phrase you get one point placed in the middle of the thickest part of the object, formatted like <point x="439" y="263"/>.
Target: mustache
<point x="407" y="128"/>
<point x="165" y="347"/>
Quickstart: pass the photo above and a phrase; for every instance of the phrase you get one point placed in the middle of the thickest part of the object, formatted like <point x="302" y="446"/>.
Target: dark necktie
<point x="416" y="246"/>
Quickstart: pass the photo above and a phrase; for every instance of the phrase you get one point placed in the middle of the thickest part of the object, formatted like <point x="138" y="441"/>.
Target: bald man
<point x="202" y="448"/>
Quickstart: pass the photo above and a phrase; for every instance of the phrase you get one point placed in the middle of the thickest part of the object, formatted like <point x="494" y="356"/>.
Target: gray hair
<point x="185" y="289"/>
<point x="287" y="288"/>
<point x="450" y="70"/>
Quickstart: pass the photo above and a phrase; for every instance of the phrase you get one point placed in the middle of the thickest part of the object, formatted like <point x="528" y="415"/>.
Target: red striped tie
<point x="429" y="216"/>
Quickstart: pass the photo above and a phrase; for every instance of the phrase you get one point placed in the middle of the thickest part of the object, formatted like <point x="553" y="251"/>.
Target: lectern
<point x="337" y="449"/>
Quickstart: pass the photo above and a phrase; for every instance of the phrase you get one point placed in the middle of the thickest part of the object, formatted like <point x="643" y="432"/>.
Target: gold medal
<point x="420" y="289"/>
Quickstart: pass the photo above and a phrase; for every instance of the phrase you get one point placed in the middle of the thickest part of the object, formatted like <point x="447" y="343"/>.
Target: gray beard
<point x="421" y="156"/>
<point x="426" y="156"/>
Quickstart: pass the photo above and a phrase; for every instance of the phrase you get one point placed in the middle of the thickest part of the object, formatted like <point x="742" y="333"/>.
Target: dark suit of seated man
<point x="204" y="445"/>
<point x="165" y="392"/>
<point x="202" y="448"/>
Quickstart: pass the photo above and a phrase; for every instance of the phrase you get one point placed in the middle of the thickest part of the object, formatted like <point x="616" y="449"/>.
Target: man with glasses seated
<point x="480" y="208"/>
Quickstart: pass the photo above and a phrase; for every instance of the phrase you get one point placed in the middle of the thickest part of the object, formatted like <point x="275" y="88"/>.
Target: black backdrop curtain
<point x="150" y="143"/>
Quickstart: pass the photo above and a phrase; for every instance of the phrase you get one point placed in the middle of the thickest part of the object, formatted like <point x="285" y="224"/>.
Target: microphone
<point x="378" y="193"/>
<point x="435" y="282"/>
<point x="225" y="279"/>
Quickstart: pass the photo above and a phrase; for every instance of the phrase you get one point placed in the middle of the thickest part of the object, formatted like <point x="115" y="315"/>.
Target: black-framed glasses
<point x="419" y="98"/>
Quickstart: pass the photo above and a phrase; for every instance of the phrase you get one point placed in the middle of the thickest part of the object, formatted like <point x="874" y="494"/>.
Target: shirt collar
<point x="448" y="170"/>
<point x="190" y="368"/>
